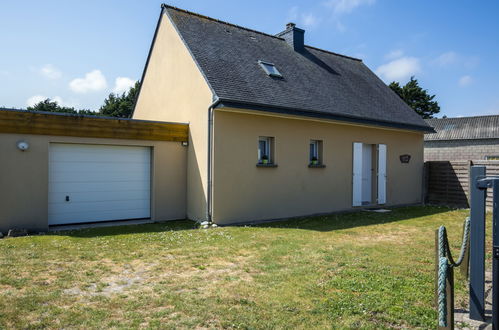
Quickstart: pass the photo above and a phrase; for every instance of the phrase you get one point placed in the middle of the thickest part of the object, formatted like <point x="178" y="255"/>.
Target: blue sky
<point x="77" y="52"/>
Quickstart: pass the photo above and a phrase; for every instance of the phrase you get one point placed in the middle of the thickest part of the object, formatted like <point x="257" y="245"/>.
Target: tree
<point x="120" y="105"/>
<point x="114" y="105"/>
<point x="48" y="105"/>
<point x="417" y="98"/>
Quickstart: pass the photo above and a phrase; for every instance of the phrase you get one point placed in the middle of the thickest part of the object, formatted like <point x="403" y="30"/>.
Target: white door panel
<point x="357" y="174"/>
<point x="101" y="182"/>
<point x="382" y="154"/>
<point x="366" y="174"/>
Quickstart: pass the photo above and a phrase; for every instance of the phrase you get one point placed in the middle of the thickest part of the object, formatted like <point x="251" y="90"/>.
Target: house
<point x="278" y="128"/>
<point x="465" y="138"/>
<point x="231" y="125"/>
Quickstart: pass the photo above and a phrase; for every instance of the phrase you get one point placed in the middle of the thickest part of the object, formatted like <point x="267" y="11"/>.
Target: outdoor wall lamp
<point x="22" y="145"/>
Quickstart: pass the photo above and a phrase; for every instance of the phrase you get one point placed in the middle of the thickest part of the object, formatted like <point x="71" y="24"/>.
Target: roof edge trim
<point x="203" y="74"/>
<point x="314" y="114"/>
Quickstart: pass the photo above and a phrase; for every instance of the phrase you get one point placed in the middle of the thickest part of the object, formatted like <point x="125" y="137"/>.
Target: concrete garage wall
<point x="452" y="150"/>
<point x="24" y="178"/>
<point x="244" y="192"/>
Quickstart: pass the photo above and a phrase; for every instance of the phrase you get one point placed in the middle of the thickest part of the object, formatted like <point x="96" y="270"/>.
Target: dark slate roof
<point x="315" y="82"/>
<point x="464" y="128"/>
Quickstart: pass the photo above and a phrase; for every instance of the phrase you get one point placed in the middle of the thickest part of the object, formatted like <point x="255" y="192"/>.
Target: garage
<point x="94" y="183"/>
<point x="59" y="169"/>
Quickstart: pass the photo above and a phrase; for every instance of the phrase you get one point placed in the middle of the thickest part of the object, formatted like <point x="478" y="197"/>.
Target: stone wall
<point x="461" y="149"/>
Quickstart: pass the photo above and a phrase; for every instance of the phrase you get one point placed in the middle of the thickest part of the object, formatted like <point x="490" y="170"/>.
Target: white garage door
<point x="90" y="183"/>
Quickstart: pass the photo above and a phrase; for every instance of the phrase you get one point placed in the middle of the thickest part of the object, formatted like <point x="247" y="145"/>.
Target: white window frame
<point x="269" y="146"/>
<point x="317" y="152"/>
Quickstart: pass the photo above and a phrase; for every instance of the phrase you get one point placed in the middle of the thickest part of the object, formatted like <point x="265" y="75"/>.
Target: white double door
<point x="366" y="159"/>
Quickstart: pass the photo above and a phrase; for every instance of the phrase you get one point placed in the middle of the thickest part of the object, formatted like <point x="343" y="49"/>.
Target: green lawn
<point x="351" y="270"/>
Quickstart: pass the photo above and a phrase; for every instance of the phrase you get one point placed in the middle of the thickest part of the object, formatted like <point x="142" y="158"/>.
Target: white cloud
<point x="122" y="85"/>
<point x="446" y="59"/>
<point x="399" y="69"/>
<point x="309" y="20"/>
<point x="50" y="71"/>
<point x="93" y="81"/>
<point x="347" y="6"/>
<point x="35" y="99"/>
<point x="394" y="54"/>
<point x="452" y="58"/>
<point x="59" y="101"/>
<point x="465" y="81"/>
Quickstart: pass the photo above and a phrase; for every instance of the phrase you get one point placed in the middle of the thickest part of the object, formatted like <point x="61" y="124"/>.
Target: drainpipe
<point x="209" y="198"/>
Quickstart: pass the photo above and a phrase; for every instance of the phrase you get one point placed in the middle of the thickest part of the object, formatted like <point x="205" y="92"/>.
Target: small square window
<point x="270" y="69"/>
<point x="315" y="153"/>
<point x="265" y="150"/>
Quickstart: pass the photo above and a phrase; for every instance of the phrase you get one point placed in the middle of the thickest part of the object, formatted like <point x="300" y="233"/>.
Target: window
<point x="315" y="154"/>
<point x="492" y="157"/>
<point x="265" y="150"/>
<point x="270" y="69"/>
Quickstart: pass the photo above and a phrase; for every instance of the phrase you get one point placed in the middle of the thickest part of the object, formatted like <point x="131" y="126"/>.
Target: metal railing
<point x="474" y="262"/>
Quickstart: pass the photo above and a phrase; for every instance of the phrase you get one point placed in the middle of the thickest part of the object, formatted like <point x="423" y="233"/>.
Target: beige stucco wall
<point x="174" y="90"/>
<point x="244" y="192"/>
<point x="24" y="178"/>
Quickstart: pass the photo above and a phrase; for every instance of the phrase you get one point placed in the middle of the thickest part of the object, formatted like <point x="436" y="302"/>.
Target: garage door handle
<point x="67" y="198"/>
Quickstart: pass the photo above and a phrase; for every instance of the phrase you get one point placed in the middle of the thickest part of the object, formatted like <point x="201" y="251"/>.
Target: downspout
<point x="209" y="197"/>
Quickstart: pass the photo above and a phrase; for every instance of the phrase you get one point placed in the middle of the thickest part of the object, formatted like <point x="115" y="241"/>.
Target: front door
<point x="364" y="189"/>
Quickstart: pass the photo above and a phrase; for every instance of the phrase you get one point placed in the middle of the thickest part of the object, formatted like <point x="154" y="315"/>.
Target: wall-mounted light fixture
<point x="22" y="145"/>
<point x="404" y="159"/>
<point x="185" y="143"/>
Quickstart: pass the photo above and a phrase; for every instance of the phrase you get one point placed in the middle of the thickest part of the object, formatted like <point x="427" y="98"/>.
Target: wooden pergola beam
<point x="42" y="123"/>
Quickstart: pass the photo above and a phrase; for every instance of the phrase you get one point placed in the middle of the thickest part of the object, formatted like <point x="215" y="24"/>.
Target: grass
<point x="351" y="270"/>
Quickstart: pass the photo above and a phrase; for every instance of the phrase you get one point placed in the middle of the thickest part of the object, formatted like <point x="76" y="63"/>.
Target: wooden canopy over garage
<point x="61" y="124"/>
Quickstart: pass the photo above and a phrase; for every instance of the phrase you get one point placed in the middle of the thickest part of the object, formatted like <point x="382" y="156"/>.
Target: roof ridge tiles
<point x="277" y="36"/>
<point x="220" y="21"/>
<point x="333" y="53"/>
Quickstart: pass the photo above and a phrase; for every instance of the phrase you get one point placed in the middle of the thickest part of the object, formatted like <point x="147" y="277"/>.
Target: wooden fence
<point x="448" y="182"/>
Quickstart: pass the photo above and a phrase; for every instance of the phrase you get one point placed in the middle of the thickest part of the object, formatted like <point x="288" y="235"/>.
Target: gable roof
<point x="315" y="82"/>
<point x="464" y="128"/>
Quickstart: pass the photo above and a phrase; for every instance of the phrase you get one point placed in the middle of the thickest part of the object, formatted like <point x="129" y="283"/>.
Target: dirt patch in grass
<point x="138" y="276"/>
<point x="399" y="236"/>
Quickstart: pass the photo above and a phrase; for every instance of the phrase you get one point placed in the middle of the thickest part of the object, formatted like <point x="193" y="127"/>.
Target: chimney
<point x="294" y="36"/>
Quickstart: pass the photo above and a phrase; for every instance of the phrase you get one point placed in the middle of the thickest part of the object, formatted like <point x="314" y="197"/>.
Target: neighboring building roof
<point x="315" y="82"/>
<point x="11" y="109"/>
<point x="464" y="128"/>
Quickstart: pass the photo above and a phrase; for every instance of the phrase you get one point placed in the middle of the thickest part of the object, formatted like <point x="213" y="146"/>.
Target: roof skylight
<point x="270" y="69"/>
